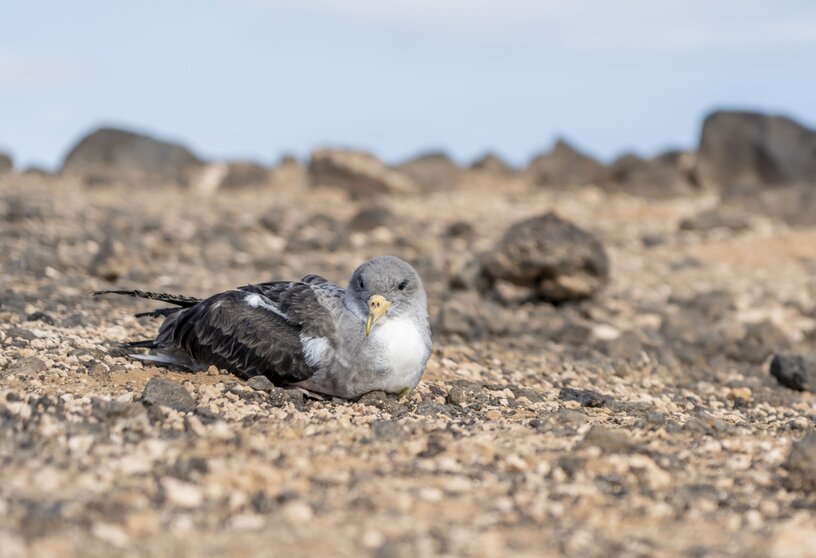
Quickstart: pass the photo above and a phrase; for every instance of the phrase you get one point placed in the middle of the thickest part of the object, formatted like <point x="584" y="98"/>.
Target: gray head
<point x="386" y="287"/>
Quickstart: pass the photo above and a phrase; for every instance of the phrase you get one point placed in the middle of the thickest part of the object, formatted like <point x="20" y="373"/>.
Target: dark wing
<point x="262" y="335"/>
<point x="308" y="303"/>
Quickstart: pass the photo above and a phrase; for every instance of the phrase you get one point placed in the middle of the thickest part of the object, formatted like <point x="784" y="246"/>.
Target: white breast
<point x="404" y="350"/>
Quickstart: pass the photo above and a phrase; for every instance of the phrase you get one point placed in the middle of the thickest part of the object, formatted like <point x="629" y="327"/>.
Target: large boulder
<point x="794" y="205"/>
<point x="110" y="154"/>
<point x="564" y="166"/>
<point x="668" y="174"/>
<point x="553" y="258"/>
<point x="746" y="149"/>
<point x="357" y="172"/>
<point x="230" y="175"/>
<point x="6" y="163"/>
<point x="433" y="171"/>
<point x="493" y="164"/>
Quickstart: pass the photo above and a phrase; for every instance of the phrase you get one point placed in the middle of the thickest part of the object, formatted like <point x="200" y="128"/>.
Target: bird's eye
<point x="402" y="285"/>
<point x="362" y="285"/>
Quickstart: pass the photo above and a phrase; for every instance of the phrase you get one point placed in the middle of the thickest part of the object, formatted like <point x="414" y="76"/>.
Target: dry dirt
<point x="512" y="445"/>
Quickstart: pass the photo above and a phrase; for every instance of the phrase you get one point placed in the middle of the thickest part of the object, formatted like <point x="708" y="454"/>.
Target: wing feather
<point x="262" y="338"/>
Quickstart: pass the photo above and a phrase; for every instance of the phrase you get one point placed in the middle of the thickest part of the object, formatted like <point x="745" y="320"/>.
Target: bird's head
<point x="386" y="287"/>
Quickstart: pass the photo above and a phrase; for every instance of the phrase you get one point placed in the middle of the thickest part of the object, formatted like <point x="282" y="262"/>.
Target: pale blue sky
<point x="257" y="78"/>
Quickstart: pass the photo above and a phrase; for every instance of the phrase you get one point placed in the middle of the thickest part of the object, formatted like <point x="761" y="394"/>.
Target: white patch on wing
<point x="314" y="349"/>
<point x="406" y="352"/>
<point x="255" y="300"/>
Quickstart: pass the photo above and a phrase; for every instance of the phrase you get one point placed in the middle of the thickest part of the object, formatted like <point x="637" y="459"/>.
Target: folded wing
<point x="283" y="330"/>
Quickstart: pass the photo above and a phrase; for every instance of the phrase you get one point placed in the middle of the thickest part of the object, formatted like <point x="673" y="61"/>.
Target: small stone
<point x="27" y="366"/>
<point x="260" y="383"/>
<point x="493" y="414"/>
<point x="167" y="393"/>
<point x="296" y="513"/>
<point x="609" y="441"/>
<point x="456" y="396"/>
<point x="801" y="464"/>
<point x="182" y="494"/>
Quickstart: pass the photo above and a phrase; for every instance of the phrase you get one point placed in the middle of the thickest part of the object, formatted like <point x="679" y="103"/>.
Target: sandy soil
<point x="531" y="442"/>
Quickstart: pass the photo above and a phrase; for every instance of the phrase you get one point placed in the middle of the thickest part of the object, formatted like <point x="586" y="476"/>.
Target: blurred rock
<point x="460" y="229"/>
<point x="370" y="218"/>
<point x="564" y="166"/>
<point x="225" y="176"/>
<point x="167" y="393"/>
<point x="801" y="464"/>
<point x="27" y="366"/>
<point x="608" y="440"/>
<point x="663" y="176"/>
<point x="6" y="163"/>
<point x="554" y="258"/>
<point x="273" y="219"/>
<point x="795" y="371"/>
<point x="319" y="232"/>
<point x="759" y="342"/>
<point x="356" y="172"/>
<point x="794" y="205"/>
<point x="492" y="164"/>
<point x="748" y="149"/>
<point x="433" y="172"/>
<point x="110" y="154"/>
<point x="468" y="316"/>
<point x="716" y="218"/>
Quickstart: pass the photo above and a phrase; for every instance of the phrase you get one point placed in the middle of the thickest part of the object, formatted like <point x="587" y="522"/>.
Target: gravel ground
<point x="641" y="422"/>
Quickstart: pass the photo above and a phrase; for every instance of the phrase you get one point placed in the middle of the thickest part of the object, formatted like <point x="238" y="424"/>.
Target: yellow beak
<point x="378" y="305"/>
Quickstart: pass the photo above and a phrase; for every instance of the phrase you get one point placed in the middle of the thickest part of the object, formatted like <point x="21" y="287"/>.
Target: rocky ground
<point x="641" y="421"/>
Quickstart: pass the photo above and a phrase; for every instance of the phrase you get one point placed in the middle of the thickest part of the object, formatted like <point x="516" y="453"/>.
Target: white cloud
<point x="576" y="25"/>
<point x="31" y="71"/>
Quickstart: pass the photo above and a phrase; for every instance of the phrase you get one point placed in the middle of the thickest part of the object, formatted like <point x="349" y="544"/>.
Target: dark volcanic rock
<point x="433" y="172"/>
<point x="717" y="218"/>
<point x="795" y="371"/>
<point x="167" y="393"/>
<point x="6" y="163"/>
<point x="554" y="258"/>
<point x="666" y="175"/>
<point x="801" y="464"/>
<point x="564" y="166"/>
<point x="586" y="397"/>
<point x="112" y="154"/>
<point x="746" y="149"/>
<point x="356" y="172"/>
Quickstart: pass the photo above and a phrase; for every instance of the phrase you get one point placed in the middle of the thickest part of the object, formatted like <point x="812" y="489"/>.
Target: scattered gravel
<point x="642" y="421"/>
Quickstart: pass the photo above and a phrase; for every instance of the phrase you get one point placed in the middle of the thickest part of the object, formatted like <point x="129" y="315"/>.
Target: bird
<point x="310" y="334"/>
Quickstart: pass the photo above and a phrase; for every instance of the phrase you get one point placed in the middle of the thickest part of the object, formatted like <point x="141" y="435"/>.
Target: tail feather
<point x="146" y="343"/>
<point x="158" y="313"/>
<point x="178" y="300"/>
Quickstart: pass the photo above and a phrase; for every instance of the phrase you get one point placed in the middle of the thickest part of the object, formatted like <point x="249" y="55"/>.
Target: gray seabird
<point x="310" y="334"/>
